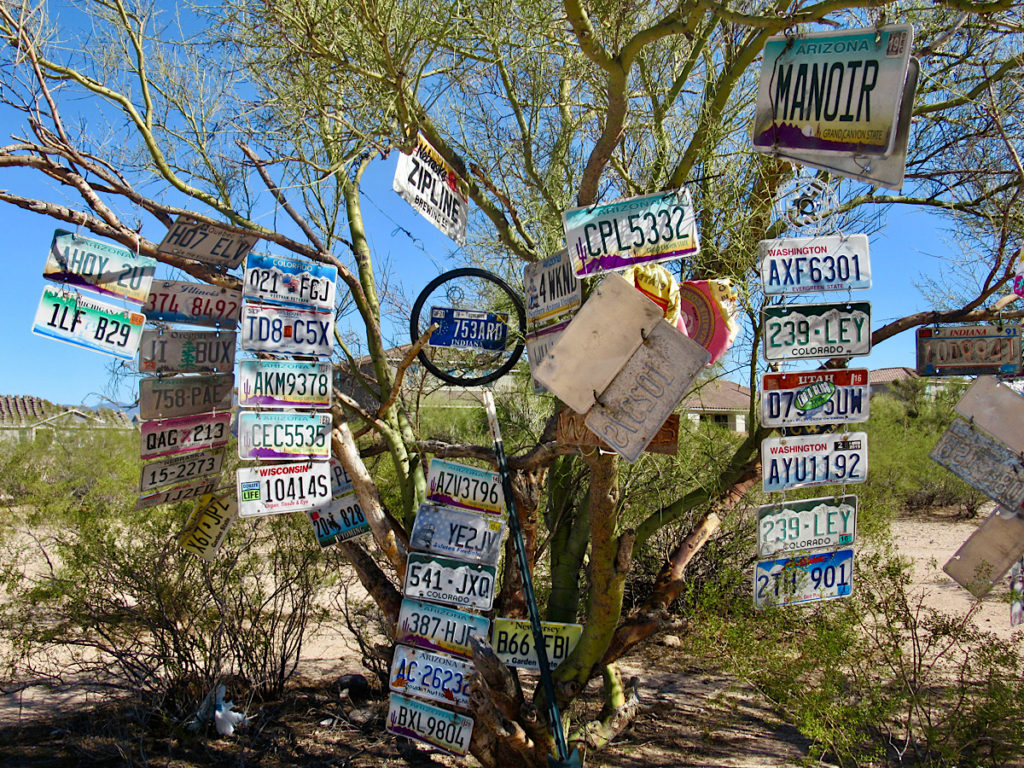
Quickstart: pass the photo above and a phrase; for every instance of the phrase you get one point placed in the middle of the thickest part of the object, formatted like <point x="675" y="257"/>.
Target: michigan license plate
<point x="439" y="628"/>
<point x="456" y="485"/>
<point x="168" y="351"/>
<point x="192" y="490"/>
<point x="802" y="331"/>
<point x="206" y="243"/>
<point x="829" y="522"/>
<point x="287" y="331"/>
<point x="457" y="533"/>
<point x="512" y="640"/>
<point x="284" y="384"/>
<point x="185" y="395"/>
<point x="424" y="722"/>
<point x="67" y="315"/>
<point x="283" y="280"/>
<point x="342" y="521"/>
<point x="455" y="582"/>
<point x="815" y="397"/>
<point x="208" y="525"/>
<point x="811" y="578"/>
<point x="177" y="301"/>
<point x="284" y="435"/>
<point x="272" y="489"/>
<point x="431" y="676"/>
<point x="798" y="462"/>
<point x="977" y="459"/>
<point x="165" y="437"/>
<point x="966" y="350"/>
<point x="801" y="264"/>
<point x="179" y="469"/>
<point x="107" y="269"/>
<point x="468" y="329"/>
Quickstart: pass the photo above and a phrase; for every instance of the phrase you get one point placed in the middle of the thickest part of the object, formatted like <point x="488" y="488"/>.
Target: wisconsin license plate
<point x="829" y="263"/>
<point x="284" y="435"/>
<point x="808" y="524"/>
<point x="439" y="628"/>
<point x="206" y="243"/>
<point x="815" y="397"/>
<point x="283" y="280"/>
<point x="431" y="676"/>
<point x="168" y="351"/>
<point x="468" y="328"/>
<point x="287" y="331"/>
<point x="458" y="533"/>
<point x="342" y="521"/>
<point x="456" y="485"/>
<point x="208" y="525"/>
<point x="424" y="722"/>
<point x="512" y="640"/>
<point x="176" y="301"/>
<point x="445" y="580"/>
<point x="276" y="488"/>
<point x="965" y="350"/>
<point x="804" y="331"/>
<point x="982" y="462"/>
<point x="165" y="437"/>
<point x="824" y="576"/>
<point x="179" y="469"/>
<point x="798" y="462"/>
<point x="107" y="269"/>
<point x="185" y="395"/>
<point x="284" y="384"/>
<point x="69" y="316"/>
<point x="192" y="490"/>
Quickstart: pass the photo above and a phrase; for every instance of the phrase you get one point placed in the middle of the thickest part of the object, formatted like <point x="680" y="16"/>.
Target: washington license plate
<point x="179" y="469"/>
<point x="966" y="350"/>
<point x="982" y="462"/>
<point x="798" y="462"/>
<point x="512" y="640"/>
<point x="272" y="489"/>
<point x="206" y="243"/>
<point x="284" y="384"/>
<point x="424" y="722"/>
<point x="342" y="521"/>
<point x="829" y="263"/>
<point x="439" y="628"/>
<point x="287" y="331"/>
<point x="168" y="351"/>
<point x="456" y="485"/>
<point x="284" y="280"/>
<point x="185" y="395"/>
<point x="192" y="490"/>
<point x="208" y="525"/>
<point x="468" y="328"/>
<point x="811" y="578"/>
<point x="431" y="676"/>
<point x="189" y="433"/>
<point x="450" y="581"/>
<point x="830" y="522"/>
<point x="284" y="435"/>
<point x="176" y="301"/>
<point x="802" y="331"/>
<point x="101" y="267"/>
<point x="69" y="316"/>
<point x="457" y="533"/>
<point x="815" y="397"/>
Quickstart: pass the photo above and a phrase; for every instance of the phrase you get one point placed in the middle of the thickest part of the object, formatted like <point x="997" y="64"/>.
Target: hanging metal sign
<point x="272" y="489"/>
<point x="798" y="462"/>
<point x="284" y="384"/>
<point x="988" y="553"/>
<point x="164" y="350"/>
<point x="996" y="408"/>
<point x="537" y="347"/>
<point x="287" y="331"/>
<point x="572" y="430"/>
<point x="208" y="525"/>
<point x="965" y="350"/>
<point x="342" y="521"/>
<point x="457" y="533"/>
<point x="439" y="628"/>
<point x="179" y="469"/>
<point x="553" y="294"/>
<point x="424" y="722"/>
<point x="70" y="316"/>
<point x="468" y="329"/>
<point x="284" y="280"/>
<point x="825" y="523"/>
<point x="512" y="640"/>
<point x="446" y="580"/>
<point x="284" y="435"/>
<point x="184" y="395"/>
<point x="107" y="269"/>
<point x="839" y="396"/>
<point x="165" y="437"/>
<point x="801" y="331"/>
<point x="811" y="578"/>
<point x="176" y="301"/>
<point x="638" y="230"/>
<point x="192" y="490"/>
<point x="431" y="676"/>
<point x="341" y="483"/>
<point x="824" y="263"/>
<point x="982" y="462"/>
<point x="456" y="485"/>
<point x="431" y="186"/>
<point x="206" y="243"/>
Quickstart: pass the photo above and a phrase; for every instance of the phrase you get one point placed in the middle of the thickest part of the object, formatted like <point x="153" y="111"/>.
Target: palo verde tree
<point x="245" y="107"/>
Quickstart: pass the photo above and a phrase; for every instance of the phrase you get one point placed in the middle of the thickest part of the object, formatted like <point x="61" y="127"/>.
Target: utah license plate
<point x="982" y="462"/>
<point x="276" y="488"/>
<point x="829" y="522"/>
<point x="284" y="384"/>
<point x="206" y="243"/>
<point x="176" y="301"/>
<point x="456" y="485"/>
<point x="512" y="640"/>
<point x="342" y="521"/>
<point x="815" y="397"/>
<point x="966" y="350"/>
<point x="825" y="576"/>
<point x="424" y="722"/>
<point x="802" y="331"/>
<point x="168" y="351"/>
<point x="208" y="525"/>
<point x="179" y="469"/>
<point x="468" y="329"/>
<point x="287" y="331"/>
<point x="829" y="263"/>
<point x="439" y="628"/>
<point x="283" y="435"/>
<point x="69" y="316"/>
<point x="431" y="676"/>
<point x="107" y="269"/>
<point x="164" y="437"/>
<point x="192" y="490"/>
<point x="283" y="280"/>
<point x="798" y="462"/>
<point x="457" y="533"/>
<point x="185" y="395"/>
<point x="450" y="581"/>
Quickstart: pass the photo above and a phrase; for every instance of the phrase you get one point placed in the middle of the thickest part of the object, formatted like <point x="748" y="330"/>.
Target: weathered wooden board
<point x="572" y="430"/>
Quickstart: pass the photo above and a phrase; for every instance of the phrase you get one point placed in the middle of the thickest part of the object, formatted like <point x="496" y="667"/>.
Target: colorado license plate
<point x="185" y="395"/>
<point x="965" y="350"/>
<point x="206" y="243"/>
<point x="101" y="267"/>
<point x="829" y="263"/>
<point x="69" y="316"/>
<point x="431" y="676"/>
<point x="802" y="331"/>
<point x="982" y="462"/>
<point x="512" y="640"/>
<point x="176" y="301"/>
<point x="283" y="280"/>
<point x="457" y="533"/>
<point x="276" y="488"/>
<point x="418" y="720"/>
<point x="439" y="628"/>
<point x="815" y="397"/>
<point x="284" y="435"/>
<point x="450" y="581"/>
<point x="284" y="384"/>
<point x="189" y="433"/>
<point x="809" y="524"/>
<point x="798" y="462"/>
<point x="824" y="576"/>
<point x="342" y="521"/>
<point x="468" y="328"/>
<point x="287" y="331"/>
<point x="192" y="490"/>
<point x="456" y="485"/>
<point x="168" y="351"/>
<point x="208" y="525"/>
<point x="179" y="469"/>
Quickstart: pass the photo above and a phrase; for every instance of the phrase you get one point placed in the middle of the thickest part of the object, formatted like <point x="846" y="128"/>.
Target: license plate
<point x="815" y="397"/>
<point x="817" y="330"/>
<point x="468" y="329"/>
<point x="831" y="263"/>
<point x="572" y="430"/>
<point x="176" y="301"/>
<point x="284" y="435"/>
<point x="283" y="280"/>
<point x="829" y="522"/>
<point x="965" y="350"/>
<point x="208" y="525"/>
<point x="457" y="533"/>
<point x="537" y="347"/>
<point x="276" y="488"/>
<point x="179" y="469"/>
<point x="798" y="462"/>
<point x="168" y="351"/>
<point x="192" y="490"/>
<point x="107" y="269"/>
<point x="342" y="521"/>
<point x="284" y="384"/>
<point x="341" y="483"/>
<point x="988" y="553"/>
<point x="206" y="243"/>
<point x="553" y="294"/>
<point x="424" y="722"/>
<point x="165" y="437"/>
<point x="287" y="331"/>
<point x="512" y="640"/>
<point x="811" y="578"/>
<point x="439" y="628"/>
<point x="456" y="485"/>
<point x="469" y="585"/>
<point x="997" y="408"/>
<point x="69" y="316"/>
<point x="982" y="462"/>
<point x="431" y="676"/>
<point x="185" y="395"/>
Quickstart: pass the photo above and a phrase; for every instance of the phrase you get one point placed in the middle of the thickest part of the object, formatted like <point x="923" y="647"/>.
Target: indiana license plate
<point x="165" y="437"/>
<point x="287" y="331"/>
<point x="272" y="489"/>
<point x="445" y="580"/>
<point x="798" y="462"/>
<point x="512" y="640"/>
<point x="179" y="469"/>
<point x="431" y="676"/>
<point x="811" y="578"/>
<point x="424" y="722"/>
<point x="801" y="331"/>
<point x="457" y="533"/>
<point x="468" y="329"/>
<point x="284" y="435"/>
<point x="192" y="490"/>
<point x="439" y="628"/>
<point x="284" y="280"/>
<point x="208" y="525"/>
<point x="177" y="301"/>
<point x="456" y="485"/>
<point x="828" y="263"/>
<point x="284" y="384"/>
<point x="206" y="243"/>
<point x="815" y="397"/>
<point x="107" y="269"/>
<point x="342" y="521"/>
<point x="169" y="351"/>
<point x="185" y="395"/>
<point x="977" y="459"/>
<point x="829" y="522"/>
<point x="966" y="350"/>
<point x="67" y="315"/>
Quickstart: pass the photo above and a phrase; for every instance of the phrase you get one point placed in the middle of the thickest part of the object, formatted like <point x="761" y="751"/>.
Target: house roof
<point x="718" y="395"/>
<point x="26" y="411"/>
<point x="888" y="375"/>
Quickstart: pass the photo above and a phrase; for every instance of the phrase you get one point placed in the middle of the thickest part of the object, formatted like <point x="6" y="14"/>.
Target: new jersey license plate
<point x="177" y="301"/>
<point x="811" y="578"/>
<point x="284" y="435"/>
<point x="468" y="328"/>
<point x="431" y="676"/>
<point x="287" y="331"/>
<point x="208" y="525"/>
<point x="342" y="521"/>
<point x="284" y="384"/>
<point x="169" y="351"/>
<point x="184" y="395"/>
<point x="180" y="469"/>
<point x="424" y="722"/>
<point x="445" y="580"/>
<point x="284" y="280"/>
<point x="512" y="640"/>
<point x="457" y="533"/>
<point x="801" y="331"/>
<point x="829" y="522"/>
<point x="977" y="459"/>
<point x="102" y="267"/>
<point x="206" y="243"/>
<point x="798" y="462"/>
<point x="192" y="490"/>
<point x="164" y="437"/>
<point x="815" y="397"/>
<point x="456" y="485"/>
<point x="67" y="315"/>
<point x="272" y="489"/>
<point x="439" y="628"/>
<point x="966" y="350"/>
<point x="801" y="264"/>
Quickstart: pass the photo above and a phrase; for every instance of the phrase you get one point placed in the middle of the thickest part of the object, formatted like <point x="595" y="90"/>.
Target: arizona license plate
<point x="206" y="243"/>
<point x="512" y="640"/>
<point x="824" y="576"/>
<point x="468" y="328"/>
<point x="179" y="469"/>
<point x="341" y="483"/>
<point x="418" y="720"/>
<point x="815" y="397"/>
<point x="431" y="676"/>
<point x="456" y="485"/>
<point x="455" y="582"/>
<point x="177" y="301"/>
<point x="276" y="488"/>
<point x="817" y="330"/>
<point x="284" y="435"/>
<point x="829" y="522"/>
<point x="164" y="437"/>
<point x="342" y="521"/>
<point x="283" y="280"/>
<point x="457" y="533"/>
<point x="168" y="351"/>
<point x="185" y="395"/>
<point x="67" y="315"/>
<point x="102" y="267"/>
<point x="284" y="384"/>
<point x="553" y="294"/>
<point x="982" y="462"/>
<point x="208" y="525"/>
<point x="439" y="628"/>
<point x="965" y="350"/>
<point x="192" y="490"/>
<point x="287" y="331"/>
<point x="798" y="462"/>
<point x="800" y="264"/>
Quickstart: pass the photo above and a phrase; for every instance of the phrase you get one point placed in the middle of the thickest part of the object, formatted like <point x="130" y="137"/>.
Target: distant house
<point x="22" y="417"/>
<point x="720" y="402"/>
<point x="882" y="379"/>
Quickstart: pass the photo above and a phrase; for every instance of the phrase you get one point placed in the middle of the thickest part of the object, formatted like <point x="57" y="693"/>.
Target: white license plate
<point x="801" y="264"/>
<point x="982" y="462"/>
<point x="177" y="301"/>
<point x="341" y="483"/>
<point x="208" y="525"/>
<point x="431" y="676"/>
<point x="966" y="350"/>
<point x="439" y="628"/>
<point x="284" y="435"/>
<point x="456" y="485"/>
<point x="512" y="640"/>
<point x="798" y="462"/>
<point x="445" y="580"/>
<point x="829" y="522"/>
<point x="802" y="331"/>
<point x="457" y="533"/>
<point x="553" y="294"/>
<point x="168" y="351"/>
<point x="67" y="315"/>
<point x="815" y="397"/>
<point x="424" y="722"/>
<point x="107" y="269"/>
<point x="811" y="578"/>
<point x="179" y="469"/>
<point x="192" y="490"/>
<point x="273" y="489"/>
<point x="287" y="331"/>
<point x="284" y="280"/>
<point x="185" y="395"/>
<point x="284" y="384"/>
<point x="343" y="520"/>
<point x="206" y="243"/>
<point x="165" y="437"/>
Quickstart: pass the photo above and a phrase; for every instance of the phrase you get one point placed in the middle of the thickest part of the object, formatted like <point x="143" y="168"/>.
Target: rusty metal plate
<point x="982" y="462"/>
<point x="572" y="430"/>
<point x="964" y="350"/>
<point x="997" y="409"/>
<point x="987" y="554"/>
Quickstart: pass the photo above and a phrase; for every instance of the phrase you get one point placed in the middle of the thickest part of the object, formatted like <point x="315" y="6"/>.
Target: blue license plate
<point x="469" y="329"/>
